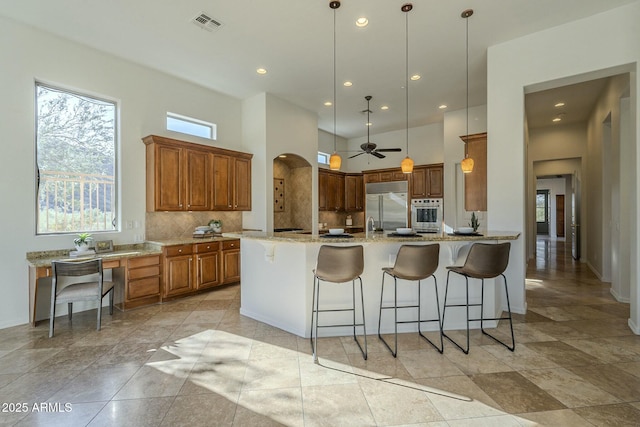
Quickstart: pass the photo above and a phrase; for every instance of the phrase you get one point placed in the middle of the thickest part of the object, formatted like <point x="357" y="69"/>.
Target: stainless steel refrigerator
<point x="388" y="204"/>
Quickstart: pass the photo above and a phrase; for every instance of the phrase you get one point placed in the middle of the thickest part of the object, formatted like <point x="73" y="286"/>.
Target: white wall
<point x="325" y="144"/>
<point x="143" y="95"/>
<point x="425" y="147"/>
<point x="573" y="52"/>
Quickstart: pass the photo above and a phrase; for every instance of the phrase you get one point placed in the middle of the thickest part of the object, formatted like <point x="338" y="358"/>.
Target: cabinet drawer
<point x="144" y="261"/>
<point x="143" y="288"/>
<point x="178" y="250"/>
<point x="139" y="273"/>
<point x="114" y="263"/>
<point x="230" y="244"/>
<point x="207" y="247"/>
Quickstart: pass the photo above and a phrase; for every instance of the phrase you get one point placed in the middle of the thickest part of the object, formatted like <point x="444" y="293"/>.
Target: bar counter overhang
<point x="277" y="280"/>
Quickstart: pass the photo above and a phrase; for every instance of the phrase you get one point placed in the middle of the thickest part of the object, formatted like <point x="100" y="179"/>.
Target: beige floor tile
<point x="522" y="358"/>
<point x="398" y="403"/>
<point x="631" y="367"/>
<point x="562" y="384"/>
<point x="168" y="318"/>
<point x="515" y="394"/>
<point x="459" y="397"/>
<point x="134" y="412"/>
<point x="20" y="361"/>
<point x="76" y="414"/>
<point x="602" y="327"/>
<point x="201" y="410"/>
<point x="36" y="387"/>
<point x="272" y="373"/>
<point x="283" y="406"/>
<point x="562" y="354"/>
<point x="604" y="351"/>
<point x="93" y="385"/>
<point x="478" y="361"/>
<point x="73" y="358"/>
<point x="225" y="378"/>
<point x="499" y="420"/>
<point x="261" y="350"/>
<point x="161" y="379"/>
<point x="130" y="354"/>
<point x="558" y="314"/>
<point x="427" y="364"/>
<point x="205" y="316"/>
<point x="611" y="415"/>
<point x="562" y="417"/>
<point x="225" y="346"/>
<point x="619" y="383"/>
<point x="325" y="372"/>
<point x="336" y="405"/>
<point x="379" y="365"/>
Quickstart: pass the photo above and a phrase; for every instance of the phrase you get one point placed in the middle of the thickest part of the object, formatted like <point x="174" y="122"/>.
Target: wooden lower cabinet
<point x="230" y="261"/>
<point x="191" y="268"/>
<point x="142" y="278"/>
<point x="207" y="265"/>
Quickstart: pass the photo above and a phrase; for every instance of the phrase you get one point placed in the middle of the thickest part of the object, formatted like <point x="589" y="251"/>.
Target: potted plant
<point x="216" y="225"/>
<point x="474" y="222"/>
<point x="82" y="241"/>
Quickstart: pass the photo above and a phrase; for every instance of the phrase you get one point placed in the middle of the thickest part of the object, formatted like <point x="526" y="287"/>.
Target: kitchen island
<point x="277" y="279"/>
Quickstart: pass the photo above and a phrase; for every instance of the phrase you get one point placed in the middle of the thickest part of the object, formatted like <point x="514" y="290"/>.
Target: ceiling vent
<point x="204" y="21"/>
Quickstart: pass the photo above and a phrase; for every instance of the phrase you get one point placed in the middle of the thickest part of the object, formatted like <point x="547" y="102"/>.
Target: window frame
<point x="115" y="221"/>
<point x="327" y="156"/>
<point x="213" y="128"/>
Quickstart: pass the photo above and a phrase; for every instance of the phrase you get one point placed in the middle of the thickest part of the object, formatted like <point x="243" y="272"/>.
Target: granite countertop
<point x="373" y="237"/>
<point x="44" y="258"/>
<point x="189" y="240"/>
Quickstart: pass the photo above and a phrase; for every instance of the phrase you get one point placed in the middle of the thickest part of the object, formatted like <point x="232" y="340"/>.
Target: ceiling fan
<point x="369" y="147"/>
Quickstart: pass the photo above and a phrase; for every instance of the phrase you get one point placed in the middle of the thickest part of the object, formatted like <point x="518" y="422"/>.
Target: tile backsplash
<point x="168" y="225"/>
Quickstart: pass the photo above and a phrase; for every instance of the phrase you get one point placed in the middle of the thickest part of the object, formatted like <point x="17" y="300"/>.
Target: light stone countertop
<point x="189" y="240"/>
<point x="44" y="258"/>
<point x="372" y="237"/>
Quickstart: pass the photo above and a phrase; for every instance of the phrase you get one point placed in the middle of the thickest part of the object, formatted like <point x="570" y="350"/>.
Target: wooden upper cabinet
<point x="475" y="182"/>
<point x="419" y="182"/>
<point x="197" y="171"/>
<point x="182" y="176"/>
<point x="331" y="190"/>
<point x="354" y="193"/>
<point x="427" y="181"/>
<point x="167" y="184"/>
<point x="242" y="184"/>
<point x="323" y="183"/>
<point x="222" y="183"/>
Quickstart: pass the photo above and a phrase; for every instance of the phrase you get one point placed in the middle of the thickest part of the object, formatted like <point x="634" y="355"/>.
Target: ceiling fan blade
<point x="389" y="149"/>
<point x="378" y="155"/>
<point x="356" y="155"/>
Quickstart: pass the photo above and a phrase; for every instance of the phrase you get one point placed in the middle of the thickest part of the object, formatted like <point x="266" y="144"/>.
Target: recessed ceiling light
<point x="442" y="107"/>
<point x="261" y="71"/>
<point x="415" y="77"/>
<point x="556" y="119"/>
<point x="348" y="84"/>
<point x="369" y="124"/>
<point x="328" y="104"/>
<point x="362" y="22"/>
<point x="384" y="107"/>
<point x="559" y="104"/>
<point x="282" y="156"/>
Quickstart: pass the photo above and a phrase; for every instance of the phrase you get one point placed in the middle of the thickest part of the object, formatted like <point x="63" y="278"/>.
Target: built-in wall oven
<point x="426" y="215"/>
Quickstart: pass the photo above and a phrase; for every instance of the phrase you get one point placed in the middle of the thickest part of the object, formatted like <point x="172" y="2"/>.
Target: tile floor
<point x="199" y="362"/>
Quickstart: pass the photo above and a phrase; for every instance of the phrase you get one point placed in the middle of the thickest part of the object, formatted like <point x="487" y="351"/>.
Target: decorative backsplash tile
<point x="167" y="225"/>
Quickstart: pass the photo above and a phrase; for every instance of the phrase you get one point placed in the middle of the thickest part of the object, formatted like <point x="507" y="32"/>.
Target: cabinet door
<point x="222" y="183"/>
<point x="242" y="185"/>
<point x="419" y="183"/>
<point x="169" y="187"/>
<point x="323" y="189"/>
<point x="208" y="270"/>
<point x="435" y="181"/>
<point x="230" y="266"/>
<point x="198" y="178"/>
<point x="372" y="177"/>
<point x="340" y="196"/>
<point x="178" y="275"/>
<point x="353" y="192"/>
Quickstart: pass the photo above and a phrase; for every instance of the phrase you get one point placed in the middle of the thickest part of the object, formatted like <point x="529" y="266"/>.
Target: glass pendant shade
<point x="407" y="165"/>
<point x="335" y="161"/>
<point x="466" y="165"/>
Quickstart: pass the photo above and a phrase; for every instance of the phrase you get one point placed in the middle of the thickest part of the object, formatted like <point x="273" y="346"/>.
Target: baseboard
<point x="594" y="271"/>
<point x="619" y="297"/>
<point x="634" y="327"/>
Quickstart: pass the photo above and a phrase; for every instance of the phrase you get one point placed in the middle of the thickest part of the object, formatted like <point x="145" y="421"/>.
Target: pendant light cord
<point x="406" y="75"/>
<point x="465" y="145"/>
<point x="334" y="82"/>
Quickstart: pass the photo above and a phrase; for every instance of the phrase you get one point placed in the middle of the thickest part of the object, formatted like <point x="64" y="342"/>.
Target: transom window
<point x="323" y="158"/>
<point x="191" y="126"/>
<point x="76" y="161"/>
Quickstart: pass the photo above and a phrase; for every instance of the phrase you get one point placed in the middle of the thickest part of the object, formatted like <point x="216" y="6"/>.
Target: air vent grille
<point x="204" y="21"/>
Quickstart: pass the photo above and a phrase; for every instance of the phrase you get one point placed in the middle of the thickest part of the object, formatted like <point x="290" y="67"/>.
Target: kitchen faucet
<point x="373" y="224"/>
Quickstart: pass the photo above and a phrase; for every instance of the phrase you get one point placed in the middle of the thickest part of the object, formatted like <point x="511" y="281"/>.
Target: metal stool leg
<point x="465" y="351"/>
<point x="420" y="321"/>
<point x="394" y="352"/>
<point x="513" y="341"/>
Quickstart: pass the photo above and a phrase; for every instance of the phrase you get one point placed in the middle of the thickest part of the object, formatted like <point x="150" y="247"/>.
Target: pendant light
<point x="407" y="164"/>
<point x="335" y="160"/>
<point x="467" y="163"/>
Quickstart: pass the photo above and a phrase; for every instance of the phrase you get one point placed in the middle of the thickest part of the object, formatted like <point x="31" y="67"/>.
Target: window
<point x="323" y="158"/>
<point x="76" y="162"/>
<point x="191" y="126"/>
<point x="542" y="206"/>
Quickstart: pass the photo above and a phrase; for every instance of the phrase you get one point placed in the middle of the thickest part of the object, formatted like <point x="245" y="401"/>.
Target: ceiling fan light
<point x="466" y="165"/>
<point x="335" y="161"/>
<point x="407" y="165"/>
